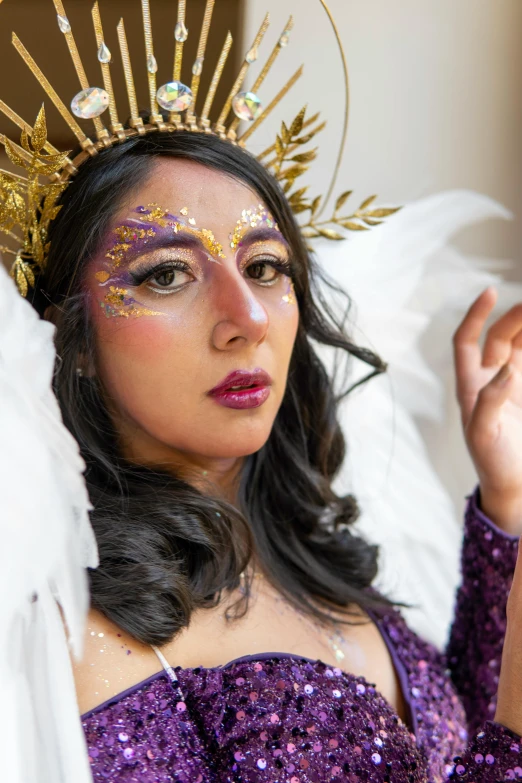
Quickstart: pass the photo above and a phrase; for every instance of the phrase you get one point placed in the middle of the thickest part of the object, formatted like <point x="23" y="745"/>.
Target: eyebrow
<point x="165" y="239"/>
<point x="263" y="233"/>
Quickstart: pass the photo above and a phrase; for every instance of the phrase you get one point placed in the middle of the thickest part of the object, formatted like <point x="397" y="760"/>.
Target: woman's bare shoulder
<point x="112" y="661"/>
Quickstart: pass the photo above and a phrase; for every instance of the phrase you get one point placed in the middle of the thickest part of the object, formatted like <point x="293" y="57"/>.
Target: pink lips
<point x="254" y="392"/>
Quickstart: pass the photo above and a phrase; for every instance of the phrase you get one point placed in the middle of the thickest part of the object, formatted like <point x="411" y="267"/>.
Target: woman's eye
<point x="167" y="280"/>
<point x="266" y="272"/>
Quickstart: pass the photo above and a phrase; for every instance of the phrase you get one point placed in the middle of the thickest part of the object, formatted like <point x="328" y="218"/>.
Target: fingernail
<point x="505" y="374"/>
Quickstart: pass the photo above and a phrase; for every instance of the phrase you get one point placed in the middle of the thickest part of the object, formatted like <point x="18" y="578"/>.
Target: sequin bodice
<point x="279" y="718"/>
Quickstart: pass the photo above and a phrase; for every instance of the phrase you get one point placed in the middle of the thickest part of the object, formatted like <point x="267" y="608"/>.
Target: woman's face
<point x="190" y="285"/>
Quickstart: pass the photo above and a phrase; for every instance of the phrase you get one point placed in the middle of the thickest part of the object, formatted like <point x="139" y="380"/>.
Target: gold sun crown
<point x="28" y="204"/>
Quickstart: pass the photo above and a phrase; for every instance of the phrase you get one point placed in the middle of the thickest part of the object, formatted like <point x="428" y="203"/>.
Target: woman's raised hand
<point x="489" y="392"/>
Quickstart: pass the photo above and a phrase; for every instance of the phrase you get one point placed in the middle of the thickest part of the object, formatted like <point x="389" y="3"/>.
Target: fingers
<point x="486" y="414"/>
<point x="467" y="351"/>
<point x="504" y="339"/>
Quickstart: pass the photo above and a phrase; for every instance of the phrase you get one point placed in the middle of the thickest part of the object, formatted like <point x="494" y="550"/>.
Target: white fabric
<point x="46" y="542"/>
<point x="407" y="461"/>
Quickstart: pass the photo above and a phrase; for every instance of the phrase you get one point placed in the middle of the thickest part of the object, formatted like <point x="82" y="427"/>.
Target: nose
<point x="241" y="318"/>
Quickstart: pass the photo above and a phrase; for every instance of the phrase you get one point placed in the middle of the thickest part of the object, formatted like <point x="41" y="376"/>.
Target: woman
<point x="186" y="305"/>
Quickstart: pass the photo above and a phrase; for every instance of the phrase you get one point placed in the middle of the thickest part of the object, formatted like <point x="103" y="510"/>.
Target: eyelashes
<point x="169" y="269"/>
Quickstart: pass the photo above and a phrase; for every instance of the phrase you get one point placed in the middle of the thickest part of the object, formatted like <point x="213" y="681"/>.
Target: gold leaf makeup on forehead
<point x="251" y="218"/>
<point x="163" y="218"/>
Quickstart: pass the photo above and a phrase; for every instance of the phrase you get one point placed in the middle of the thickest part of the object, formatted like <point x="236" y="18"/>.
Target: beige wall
<point x="436" y="99"/>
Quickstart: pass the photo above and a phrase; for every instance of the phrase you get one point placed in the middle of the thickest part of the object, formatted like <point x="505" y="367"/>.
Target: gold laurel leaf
<point x="382" y="212"/>
<point x="342" y="200"/>
<point x="304" y="139"/>
<point x="351" y="226"/>
<point x="37" y="246"/>
<point x="297" y="125"/>
<point x="329" y="233"/>
<point x="19" y="278"/>
<point x="298" y="208"/>
<point x="309" y="233"/>
<point x="24" y="141"/>
<point x="285" y="134"/>
<point x="372" y="221"/>
<point x="305" y="157"/>
<point x="14" y="157"/>
<point x="47" y="170"/>
<point x="16" y="207"/>
<point x="39" y="134"/>
<point x="28" y="272"/>
<point x="293" y="172"/>
<point x="51" y="213"/>
<point x="289" y="184"/>
<point x="316" y="203"/>
<point x="298" y="195"/>
<point x="280" y="147"/>
<point x="366" y="203"/>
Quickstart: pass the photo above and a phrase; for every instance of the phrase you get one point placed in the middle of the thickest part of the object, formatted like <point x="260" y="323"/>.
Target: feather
<point x="46" y="543"/>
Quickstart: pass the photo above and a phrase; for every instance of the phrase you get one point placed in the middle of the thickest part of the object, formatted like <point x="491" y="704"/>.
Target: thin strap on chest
<point x="168" y="668"/>
<point x="171" y="674"/>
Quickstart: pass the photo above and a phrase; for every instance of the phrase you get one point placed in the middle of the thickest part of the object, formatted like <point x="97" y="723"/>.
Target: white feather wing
<point x="46" y="542"/>
<point x="407" y="463"/>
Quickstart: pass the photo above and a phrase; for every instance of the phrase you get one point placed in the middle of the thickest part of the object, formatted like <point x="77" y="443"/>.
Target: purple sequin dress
<point x="279" y="718"/>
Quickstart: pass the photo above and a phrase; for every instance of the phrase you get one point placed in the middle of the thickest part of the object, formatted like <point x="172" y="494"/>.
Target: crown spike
<point x="180" y="35"/>
<point x="116" y="126"/>
<point x="279" y="97"/>
<point x="266" y="70"/>
<point x="23" y="125"/>
<point x="220" y="125"/>
<point x="51" y="92"/>
<point x="75" y="55"/>
<point x="152" y="66"/>
<point x="204" y="120"/>
<point x="135" y="119"/>
<point x="200" y="57"/>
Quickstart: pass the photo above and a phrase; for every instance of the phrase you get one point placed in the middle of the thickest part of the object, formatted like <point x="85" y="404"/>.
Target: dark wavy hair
<point x="166" y="548"/>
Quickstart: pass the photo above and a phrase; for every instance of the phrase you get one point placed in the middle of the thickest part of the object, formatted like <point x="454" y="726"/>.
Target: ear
<point x="51" y="314"/>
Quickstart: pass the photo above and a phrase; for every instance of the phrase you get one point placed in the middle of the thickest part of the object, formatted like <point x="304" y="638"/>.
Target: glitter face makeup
<point x="167" y="252"/>
<point x="156" y="214"/>
<point x="289" y="296"/>
<point x="118" y="301"/>
<point x="251" y="218"/>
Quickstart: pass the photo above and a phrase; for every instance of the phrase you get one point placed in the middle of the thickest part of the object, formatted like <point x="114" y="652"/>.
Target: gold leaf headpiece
<point x="28" y="205"/>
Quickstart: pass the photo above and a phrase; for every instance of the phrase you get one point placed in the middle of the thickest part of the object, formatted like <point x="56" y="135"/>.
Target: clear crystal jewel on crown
<point x="63" y="23"/>
<point x="104" y="54"/>
<point x="152" y="65"/>
<point x="180" y="32"/>
<point x="283" y="41"/>
<point x="252" y="55"/>
<point x="247" y="106"/>
<point x="174" y="96"/>
<point x="197" y="68"/>
<point x="90" y="103"/>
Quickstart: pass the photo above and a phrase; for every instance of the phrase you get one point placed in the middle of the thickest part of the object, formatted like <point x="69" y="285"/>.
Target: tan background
<point x="436" y="99"/>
